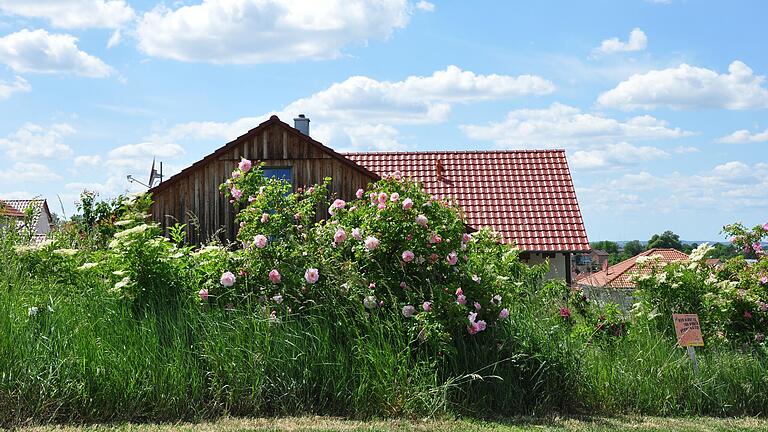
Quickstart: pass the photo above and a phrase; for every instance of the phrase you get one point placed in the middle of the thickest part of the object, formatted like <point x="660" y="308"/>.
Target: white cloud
<point x="685" y="150"/>
<point x="425" y="6"/>
<point x="260" y="31"/>
<point x="115" y="39"/>
<point x="16" y="195"/>
<point x="87" y="160"/>
<point x="22" y="172"/>
<point x="42" y="52"/>
<point x="361" y="113"/>
<point x="417" y="99"/>
<point x="614" y="155"/>
<point x="731" y="186"/>
<point x="139" y="156"/>
<point x="33" y="142"/>
<point x="690" y="87"/>
<point x="72" y="14"/>
<point x="18" y="85"/>
<point x="744" y="136"/>
<point x="561" y="125"/>
<point x="637" y="41"/>
<point x="371" y="137"/>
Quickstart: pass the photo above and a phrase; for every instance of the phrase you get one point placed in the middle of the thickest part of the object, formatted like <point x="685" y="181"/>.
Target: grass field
<point x="516" y="424"/>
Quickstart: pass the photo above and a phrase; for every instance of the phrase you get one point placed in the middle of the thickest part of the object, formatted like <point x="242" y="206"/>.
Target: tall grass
<point x="93" y="358"/>
<point x="648" y="373"/>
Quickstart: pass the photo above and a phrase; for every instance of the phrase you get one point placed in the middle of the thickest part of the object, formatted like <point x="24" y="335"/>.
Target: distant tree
<point x="667" y="239"/>
<point x="608" y="246"/>
<point x="632" y="248"/>
<point x="724" y="251"/>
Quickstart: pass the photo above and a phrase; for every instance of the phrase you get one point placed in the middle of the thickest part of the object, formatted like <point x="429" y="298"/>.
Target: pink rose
<point x="311" y="190"/>
<point x="434" y="238"/>
<point x="260" y="241"/>
<point x="565" y="312"/>
<point x="227" y="279"/>
<point x="504" y="314"/>
<point x="395" y="196"/>
<point x="421" y="220"/>
<point x="403" y="285"/>
<point x="459" y="291"/>
<point x="274" y="276"/>
<point x="764" y="280"/>
<point x="251" y="199"/>
<point x="407" y="204"/>
<point x="235" y="174"/>
<point x="244" y="165"/>
<point x="382" y="198"/>
<point x="477" y="306"/>
<point x="461" y="299"/>
<point x="236" y="193"/>
<point x="359" y="193"/>
<point x="203" y="293"/>
<point x="765" y="226"/>
<point x="433" y="257"/>
<point x="427" y="306"/>
<point x="452" y="258"/>
<point x="339" y="204"/>
<point x="747" y="314"/>
<point x="340" y="236"/>
<point x="264" y="217"/>
<point x="408" y="256"/>
<point x="381" y="206"/>
<point x="356" y="234"/>
<point x="397" y="175"/>
<point x="372" y="196"/>
<point x="465" y="238"/>
<point x="311" y="275"/>
<point x="371" y="243"/>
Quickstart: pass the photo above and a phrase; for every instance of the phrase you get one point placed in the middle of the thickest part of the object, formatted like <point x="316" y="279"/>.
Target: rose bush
<point x="394" y="248"/>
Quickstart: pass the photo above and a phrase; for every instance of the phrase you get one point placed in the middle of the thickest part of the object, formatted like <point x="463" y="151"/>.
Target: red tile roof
<point x="527" y="196"/>
<point x="621" y="275"/>
<point x="9" y="211"/>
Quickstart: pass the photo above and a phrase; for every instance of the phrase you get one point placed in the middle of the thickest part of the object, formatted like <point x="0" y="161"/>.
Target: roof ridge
<point x="454" y="152"/>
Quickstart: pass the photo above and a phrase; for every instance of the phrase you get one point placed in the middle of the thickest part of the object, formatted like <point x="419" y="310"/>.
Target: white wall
<point x="43" y="226"/>
<point x="556" y="265"/>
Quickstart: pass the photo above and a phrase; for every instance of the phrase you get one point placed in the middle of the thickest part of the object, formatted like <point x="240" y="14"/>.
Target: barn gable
<point x="192" y="196"/>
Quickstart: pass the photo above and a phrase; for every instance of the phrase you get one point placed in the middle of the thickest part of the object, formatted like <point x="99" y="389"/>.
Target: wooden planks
<point x="195" y="199"/>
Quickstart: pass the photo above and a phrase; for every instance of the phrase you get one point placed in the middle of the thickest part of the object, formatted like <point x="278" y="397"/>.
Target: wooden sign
<point x="688" y="330"/>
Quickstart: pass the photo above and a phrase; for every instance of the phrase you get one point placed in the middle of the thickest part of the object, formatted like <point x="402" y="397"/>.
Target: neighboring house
<point x="591" y="262"/>
<point x="526" y="196"/>
<point x="41" y="221"/>
<point x="617" y="282"/>
<point x="714" y="262"/>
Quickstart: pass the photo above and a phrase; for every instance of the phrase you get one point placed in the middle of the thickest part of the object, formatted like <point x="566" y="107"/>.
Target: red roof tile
<point x="527" y="196"/>
<point x="622" y="275"/>
<point x="9" y="211"/>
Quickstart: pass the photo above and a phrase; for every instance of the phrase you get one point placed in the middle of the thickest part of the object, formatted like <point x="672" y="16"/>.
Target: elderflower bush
<point x="732" y="301"/>
<point x="394" y="248"/>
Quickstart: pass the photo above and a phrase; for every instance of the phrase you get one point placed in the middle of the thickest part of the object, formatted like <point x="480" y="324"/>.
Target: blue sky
<point x="660" y="105"/>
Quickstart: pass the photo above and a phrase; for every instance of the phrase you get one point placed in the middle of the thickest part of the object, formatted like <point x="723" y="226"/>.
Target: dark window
<point x="280" y="173"/>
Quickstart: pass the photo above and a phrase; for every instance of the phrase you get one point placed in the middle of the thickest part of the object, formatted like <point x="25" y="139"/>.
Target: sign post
<point x="689" y="335"/>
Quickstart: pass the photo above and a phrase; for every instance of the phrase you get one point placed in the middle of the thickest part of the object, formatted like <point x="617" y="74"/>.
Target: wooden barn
<point x="527" y="196"/>
<point x="192" y="196"/>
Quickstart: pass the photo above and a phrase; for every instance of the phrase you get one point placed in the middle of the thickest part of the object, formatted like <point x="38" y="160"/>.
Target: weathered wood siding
<point x="193" y="198"/>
